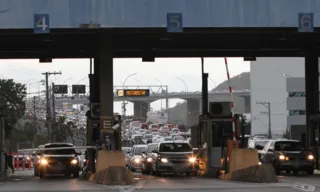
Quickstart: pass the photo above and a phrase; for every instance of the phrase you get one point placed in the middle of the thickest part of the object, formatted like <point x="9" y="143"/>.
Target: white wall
<point x="268" y="83"/>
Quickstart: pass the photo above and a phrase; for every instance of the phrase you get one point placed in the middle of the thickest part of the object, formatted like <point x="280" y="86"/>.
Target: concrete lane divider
<point x="244" y="166"/>
<point x="111" y="169"/>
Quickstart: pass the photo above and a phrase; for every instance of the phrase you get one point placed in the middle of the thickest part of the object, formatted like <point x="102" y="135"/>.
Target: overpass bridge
<point x="142" y="104"/>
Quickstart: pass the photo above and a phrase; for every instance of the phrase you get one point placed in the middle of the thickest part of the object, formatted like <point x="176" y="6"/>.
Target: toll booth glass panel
<point x="220" y="132"/>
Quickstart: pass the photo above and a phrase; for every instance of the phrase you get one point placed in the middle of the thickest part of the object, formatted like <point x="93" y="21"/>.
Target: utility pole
<point x="53" y="104"/>
<point x="268" y="106"/>
<point x="48" y="118"/>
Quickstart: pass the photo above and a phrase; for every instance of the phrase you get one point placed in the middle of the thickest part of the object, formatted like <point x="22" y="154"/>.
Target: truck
<point x="157" y="117"/>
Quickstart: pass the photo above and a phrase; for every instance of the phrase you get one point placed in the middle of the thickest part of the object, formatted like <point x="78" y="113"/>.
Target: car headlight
<point x="310" y="157"/>
<point x="28" y="158"/>
<point x="149" y="159"/>
<point x="192" y="159"/>
<point x="137" y="160"/>
<point x="164" y="160"/>
<point x="74" y="161"/>
<point x="43" y="162"/>
<point x="259" y="163"/>
<point x="84" y="160"/>
<point x="282" y="157"/>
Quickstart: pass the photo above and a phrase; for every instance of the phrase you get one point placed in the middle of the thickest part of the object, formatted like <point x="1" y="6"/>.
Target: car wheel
<point x="35" y="172"/>
<point x="310" y="171"/>
<point x="42" y="174"/>
<point x="76" y="174"/>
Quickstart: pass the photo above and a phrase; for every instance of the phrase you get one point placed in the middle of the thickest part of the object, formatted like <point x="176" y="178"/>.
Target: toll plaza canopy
<point x="134" y="28"/>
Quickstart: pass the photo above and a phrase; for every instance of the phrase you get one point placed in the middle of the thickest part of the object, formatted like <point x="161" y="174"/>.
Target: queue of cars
<point x="159" y="149"/>
<point x="284" y="155"/>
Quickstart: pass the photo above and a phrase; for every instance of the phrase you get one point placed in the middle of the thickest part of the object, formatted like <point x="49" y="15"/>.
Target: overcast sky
<point x="75" y="71"/>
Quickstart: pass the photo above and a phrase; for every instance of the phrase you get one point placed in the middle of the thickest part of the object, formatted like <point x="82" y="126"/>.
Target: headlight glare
<point x="137" y="160"/>
<point x="282" y="157"/>
<point x="43" y="161"/>
<point x="149" y="159"/>
<point x="74" y="161"/>
<point x="164" y="160"/>
<point x="192" y="159"/>
<point x="310" y="157"/>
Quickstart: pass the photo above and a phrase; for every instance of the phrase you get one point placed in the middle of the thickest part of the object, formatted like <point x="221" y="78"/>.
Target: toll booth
<point x="215" y="130"/>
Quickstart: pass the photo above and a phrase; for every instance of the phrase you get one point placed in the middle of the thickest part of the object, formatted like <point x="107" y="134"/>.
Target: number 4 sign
<point x="41" y="23"/>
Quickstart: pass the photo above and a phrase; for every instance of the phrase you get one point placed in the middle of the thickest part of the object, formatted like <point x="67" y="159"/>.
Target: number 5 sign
<point x="174" y="23"/>
<point x="41" y="23"/>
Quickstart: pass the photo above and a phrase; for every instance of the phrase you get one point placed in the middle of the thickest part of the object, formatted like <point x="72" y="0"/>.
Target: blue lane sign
<point x="41" y="23"/>
<point x="305" y="22"/>
<point x="174" y="23"/>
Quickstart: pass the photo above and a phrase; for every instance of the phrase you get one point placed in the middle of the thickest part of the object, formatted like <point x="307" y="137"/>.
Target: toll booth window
<point x="288" y="146"/>
<point x="175" y="147"/>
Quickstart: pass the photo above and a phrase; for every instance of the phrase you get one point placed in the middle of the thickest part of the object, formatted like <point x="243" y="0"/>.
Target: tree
<point x="12" y="103"/>
<point x="60" y="130"/>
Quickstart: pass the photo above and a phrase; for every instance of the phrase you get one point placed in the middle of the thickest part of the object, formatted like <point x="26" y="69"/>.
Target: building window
<point x="297" y="112"/>
<point x="297" y="94"/>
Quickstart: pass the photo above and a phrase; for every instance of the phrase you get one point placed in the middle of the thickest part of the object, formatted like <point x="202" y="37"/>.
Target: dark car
<point x="144" y="126"/>
<point x="59" y="161"/>
<point x="288" y="155"/>
<point x="174" y="157"/>
<point x="147" y="157"/>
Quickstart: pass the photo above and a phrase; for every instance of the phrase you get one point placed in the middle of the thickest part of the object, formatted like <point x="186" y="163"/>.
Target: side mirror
<point x="154" y="151"/>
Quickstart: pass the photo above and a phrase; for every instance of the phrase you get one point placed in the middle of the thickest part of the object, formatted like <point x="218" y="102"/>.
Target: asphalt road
<point x="25" y="182"/>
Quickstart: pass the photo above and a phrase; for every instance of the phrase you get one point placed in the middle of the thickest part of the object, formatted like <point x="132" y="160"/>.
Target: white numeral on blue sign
<point x="41" y="23"/>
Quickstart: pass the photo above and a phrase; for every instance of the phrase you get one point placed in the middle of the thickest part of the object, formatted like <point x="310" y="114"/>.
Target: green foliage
<point x="60" y="130"/>
<point x="25" y="132"/>
<point x="12" y="103"/>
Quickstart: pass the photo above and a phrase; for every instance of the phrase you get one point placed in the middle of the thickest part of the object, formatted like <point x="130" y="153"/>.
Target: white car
<point x="135" y="157"/>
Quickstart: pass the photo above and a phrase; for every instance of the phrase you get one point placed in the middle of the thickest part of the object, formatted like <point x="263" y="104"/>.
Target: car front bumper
<point x="295" y="165"/>
<point x="176" y="168"/>
<point x="60" y="169"/>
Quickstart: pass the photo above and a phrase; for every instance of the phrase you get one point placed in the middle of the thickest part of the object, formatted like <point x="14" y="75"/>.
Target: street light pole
<point x="161" y="92"/>
<point x="123" y="101"/>
<point x="185" y="85"/>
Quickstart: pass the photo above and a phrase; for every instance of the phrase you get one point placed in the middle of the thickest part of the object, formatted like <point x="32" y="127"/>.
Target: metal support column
<point x="312" y="93"/>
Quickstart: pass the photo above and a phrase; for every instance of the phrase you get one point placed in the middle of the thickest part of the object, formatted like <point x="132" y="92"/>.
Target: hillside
<point x="239" y="82"/>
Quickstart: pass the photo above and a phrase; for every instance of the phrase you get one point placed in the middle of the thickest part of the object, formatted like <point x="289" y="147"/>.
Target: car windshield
<point x="288" y="146"/>
<point x="179" y="138"/>
<point x="139" y="150"/>
<point x="165" y="129"/>
<point x="260" y="144"/>
<point x="148" y="136"/>
<point x="59" y="151"/>
<point x="138" y="137"/>
<point x="154" y="126"/>
<point x="175" y="147"/>
<point x="151" y="148"/>
<point x="168" y="139"/>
